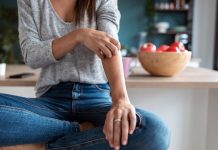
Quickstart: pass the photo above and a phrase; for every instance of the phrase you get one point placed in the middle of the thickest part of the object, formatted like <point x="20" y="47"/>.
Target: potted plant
<point x="8" y="36"/>
<point x="149" y="13"/>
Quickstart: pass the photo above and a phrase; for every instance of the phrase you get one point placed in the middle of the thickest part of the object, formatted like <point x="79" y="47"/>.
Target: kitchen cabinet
<point x="180" y="19"/>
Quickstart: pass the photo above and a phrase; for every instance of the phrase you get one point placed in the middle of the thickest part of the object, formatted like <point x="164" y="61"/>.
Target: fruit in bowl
<point x="148" y="47"/>
<point x="166" y="60"/>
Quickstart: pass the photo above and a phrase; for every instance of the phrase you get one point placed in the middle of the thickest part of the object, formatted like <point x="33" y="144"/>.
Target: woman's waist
<point x="76" y="90"/>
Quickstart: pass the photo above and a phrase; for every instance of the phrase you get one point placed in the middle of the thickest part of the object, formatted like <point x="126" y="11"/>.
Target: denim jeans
<point x="53" y="119"/>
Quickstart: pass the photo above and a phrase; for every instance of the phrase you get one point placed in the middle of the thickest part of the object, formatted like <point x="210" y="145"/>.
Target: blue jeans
<point x="54" y="119"/>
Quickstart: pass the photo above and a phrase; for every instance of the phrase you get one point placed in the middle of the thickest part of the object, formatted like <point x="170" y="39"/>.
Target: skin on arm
<point x="117" y="131"/>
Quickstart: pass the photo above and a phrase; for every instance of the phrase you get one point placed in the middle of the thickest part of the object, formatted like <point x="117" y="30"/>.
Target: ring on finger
<point x="117" y="120"/>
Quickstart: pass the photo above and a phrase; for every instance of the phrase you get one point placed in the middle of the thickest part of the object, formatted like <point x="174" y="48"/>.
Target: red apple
<point x="173" y="49"/>
<point x="148" y="47"/>
<point x="180" y="45"/>
<point x="163" y="48"/>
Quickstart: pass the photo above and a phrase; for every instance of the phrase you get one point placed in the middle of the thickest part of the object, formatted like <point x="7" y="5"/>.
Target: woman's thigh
<point x="27" y="121"/>
<point x="44" y="106"/>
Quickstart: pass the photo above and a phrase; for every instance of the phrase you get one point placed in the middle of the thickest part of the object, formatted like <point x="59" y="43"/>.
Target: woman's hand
<point x="99" y="42"/>
<point x="120" y="121"/>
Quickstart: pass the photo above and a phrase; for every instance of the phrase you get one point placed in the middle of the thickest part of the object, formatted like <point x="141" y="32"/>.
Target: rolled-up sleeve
<point x="36" y="53"/>
<point x="108" y="17"/>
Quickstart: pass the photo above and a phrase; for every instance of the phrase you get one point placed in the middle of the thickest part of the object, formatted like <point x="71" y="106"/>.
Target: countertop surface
<point x="189" y="78"/>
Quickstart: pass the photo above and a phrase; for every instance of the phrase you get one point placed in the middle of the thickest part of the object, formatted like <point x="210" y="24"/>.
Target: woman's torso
<point x="81" y="65"/>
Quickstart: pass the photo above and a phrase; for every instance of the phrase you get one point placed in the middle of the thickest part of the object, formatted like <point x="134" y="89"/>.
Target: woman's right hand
<point x="99" y="42"/>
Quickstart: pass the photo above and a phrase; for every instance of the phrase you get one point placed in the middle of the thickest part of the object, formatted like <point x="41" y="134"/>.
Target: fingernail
<point x="111" y="145"/>
<point x="117" y="148"/>
<point x="131" y="132"/>
<point x="124" y="142"/>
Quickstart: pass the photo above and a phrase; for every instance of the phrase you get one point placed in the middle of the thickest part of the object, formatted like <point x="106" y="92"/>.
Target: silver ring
<point x="117" y="120"/>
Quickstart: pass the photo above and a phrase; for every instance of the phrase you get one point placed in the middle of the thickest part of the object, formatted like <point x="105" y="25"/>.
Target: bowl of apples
<point x="167" y="60"/>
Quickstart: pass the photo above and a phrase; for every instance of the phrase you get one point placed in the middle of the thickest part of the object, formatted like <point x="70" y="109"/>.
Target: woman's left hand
<point x="120" y="121"/>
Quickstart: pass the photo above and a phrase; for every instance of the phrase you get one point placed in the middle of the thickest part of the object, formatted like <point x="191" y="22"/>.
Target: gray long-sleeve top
<point x="39" y="25"/>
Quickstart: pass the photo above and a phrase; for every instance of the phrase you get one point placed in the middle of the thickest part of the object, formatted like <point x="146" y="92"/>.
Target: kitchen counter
<point x="189" y="78"/>
<point x="16" y="69"/>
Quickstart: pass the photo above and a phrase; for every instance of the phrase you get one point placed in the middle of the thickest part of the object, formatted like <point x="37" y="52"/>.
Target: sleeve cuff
<point x="50" y="55"/>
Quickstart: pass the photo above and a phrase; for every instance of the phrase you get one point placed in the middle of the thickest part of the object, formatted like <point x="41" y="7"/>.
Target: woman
<point x="81" y="85"/>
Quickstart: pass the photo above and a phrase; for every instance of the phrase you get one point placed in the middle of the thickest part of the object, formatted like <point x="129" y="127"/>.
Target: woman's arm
<point x="117" y="131"/>
<point x="114" y="71"/>
<point x="97" y="41"/>
<point x="121" y="119"/>
<point x="38" y="53"/>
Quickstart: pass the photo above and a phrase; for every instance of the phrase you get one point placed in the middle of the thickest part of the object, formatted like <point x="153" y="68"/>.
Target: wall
<point x="132" y="20"/>
<point x="204" y="29"/>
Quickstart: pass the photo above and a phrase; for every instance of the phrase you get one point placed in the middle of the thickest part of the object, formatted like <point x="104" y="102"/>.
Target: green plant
<point x="8" y="33"/>
<point x="149" y="13"/>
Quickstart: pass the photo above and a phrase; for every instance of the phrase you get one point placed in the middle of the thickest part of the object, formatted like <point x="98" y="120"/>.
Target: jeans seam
<point x="87" y="111"/>
<point x="140" y="118"/>
<point x="28" y="103"/>
<point x="87" y="143"/>
<point x="101" y="89"/>
<point x="16" y="109"/>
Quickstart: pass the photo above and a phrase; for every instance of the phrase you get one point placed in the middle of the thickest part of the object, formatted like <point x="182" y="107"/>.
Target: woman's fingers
<point x="95" y="40"/>
<point x="125" y="128"/>
<point x="106" y="51"/>
<point x="112" y="48"/>
<point x="132" y="118"/>
<point x="117" y="123"/>
<point x="110" y="128"/>
<point x="100" y="54"/>
<point x="115" y="42"/>
<point x="117" y="134"/>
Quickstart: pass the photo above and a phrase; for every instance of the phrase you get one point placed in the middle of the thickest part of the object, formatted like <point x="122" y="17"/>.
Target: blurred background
<point x="190" y="112"/>
<point x="156" y="21"/>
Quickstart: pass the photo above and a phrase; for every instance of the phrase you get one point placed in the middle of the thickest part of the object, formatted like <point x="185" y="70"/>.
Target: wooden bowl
<point x="164" y="63"/>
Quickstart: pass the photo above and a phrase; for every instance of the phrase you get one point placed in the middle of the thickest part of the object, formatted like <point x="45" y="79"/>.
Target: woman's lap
<point x="52" y="120"/>
<point x="151" y="134"/>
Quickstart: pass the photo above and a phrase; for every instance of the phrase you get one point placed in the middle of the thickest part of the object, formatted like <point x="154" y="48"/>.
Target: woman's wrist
<point x="120" y="97"/>
<point x="79" y="34"/>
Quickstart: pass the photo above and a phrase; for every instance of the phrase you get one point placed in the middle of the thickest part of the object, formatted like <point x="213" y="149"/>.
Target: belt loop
<point x="73" y="87"/>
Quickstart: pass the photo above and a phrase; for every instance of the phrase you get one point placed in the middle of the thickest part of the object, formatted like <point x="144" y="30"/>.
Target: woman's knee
<point x="154" y="129"/>
<point x="5" y="99"/>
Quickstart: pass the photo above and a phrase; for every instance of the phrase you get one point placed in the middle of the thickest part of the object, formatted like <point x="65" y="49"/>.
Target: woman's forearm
<point x="114" y="71"/>
<point x="65" y="44"/>
<point x="97" y="41"/>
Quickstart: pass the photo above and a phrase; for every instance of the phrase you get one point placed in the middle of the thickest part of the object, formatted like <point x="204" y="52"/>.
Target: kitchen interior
<point x="186" y="100"/>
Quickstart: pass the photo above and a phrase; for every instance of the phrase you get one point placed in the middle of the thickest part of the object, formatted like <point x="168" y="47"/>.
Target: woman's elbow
<point x="32" y="63"/>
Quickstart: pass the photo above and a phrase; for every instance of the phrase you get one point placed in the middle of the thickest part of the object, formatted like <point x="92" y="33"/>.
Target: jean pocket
<point x="103" y="87"/>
